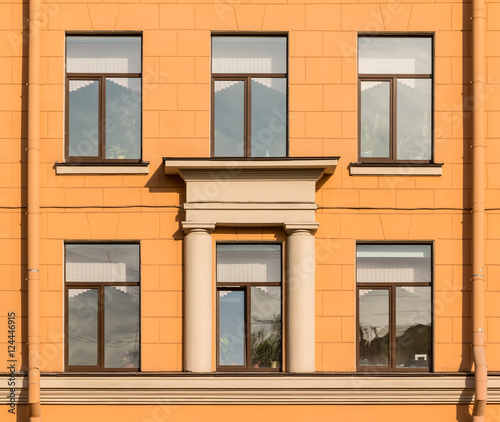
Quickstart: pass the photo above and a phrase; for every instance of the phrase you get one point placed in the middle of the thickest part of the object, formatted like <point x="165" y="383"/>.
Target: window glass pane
<point x="229" y="98"/>
<point x="394" y="263"/>
<point x="374" y="327"/>
<point x="375" y="118"/>
<point x="102" y="262"/>
<point x="231" y="328"/>
<point x="83" y="127"/>
<point x="414" y="119"/>
<point x="237" y="263"/>
<point x="82" y="327"/>
<point x="266" y="327"/>
<point x="395" y="55"/>
<point x="123" y="118"/>
<point x="121" y="327"/>
<point x="413" y="327"/>
<point x="249" y="55"/>
<point x="90" y="54"/>
<point x="268" y="117"/>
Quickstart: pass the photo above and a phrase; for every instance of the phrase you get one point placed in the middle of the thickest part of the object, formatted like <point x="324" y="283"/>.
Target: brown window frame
<point x="100" y="286"/>
<point x="247" y="79"/>
<point x="101" y="78"/>
<point x="392" y="78"/>
<point x="246" y="288"/>
<point x="391" y="287"/>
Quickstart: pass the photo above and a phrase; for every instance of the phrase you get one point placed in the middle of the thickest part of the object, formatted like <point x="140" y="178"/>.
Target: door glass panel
<point x="249" y="55"/>
<point x="393" y="263"/>
<point x="395" y="55"/>
<point x="121" y="327"/>
<point x="229" y="128"/>
<point x="414" y="119"/>
<point x="268" y="117"/>
<point x="83" y="126"/>
<point x="266" y="327"/>
<point x="123" y="118"/>
<point x="102" y="262"/>
<point x="373" y="327"/>
<point x="82" y="327"/>
<point x="375" y="118"/>
<point x="248" y="263"/>
<point x="93" y="54"/>
<point x="231" y="328"/>
<point x="413" y="327"/>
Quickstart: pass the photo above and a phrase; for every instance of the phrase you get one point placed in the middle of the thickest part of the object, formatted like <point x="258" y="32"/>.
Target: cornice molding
<point x="215" y="389"/>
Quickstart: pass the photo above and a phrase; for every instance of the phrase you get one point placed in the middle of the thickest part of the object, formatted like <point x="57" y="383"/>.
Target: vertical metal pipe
<point x="34" y="212"/>
<point x="478" y="215"/>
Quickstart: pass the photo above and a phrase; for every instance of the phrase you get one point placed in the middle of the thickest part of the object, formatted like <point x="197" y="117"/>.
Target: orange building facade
<point x="262" y="209"/>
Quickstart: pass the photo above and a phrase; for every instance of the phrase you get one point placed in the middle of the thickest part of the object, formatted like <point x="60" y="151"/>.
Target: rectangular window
<point x="395" y="99"/>
<point x="103" y="98"/>
<point x="249" y="307"/>
<point x="102" y="307"/>
<point x="394" y="291"/>
<point x="249" y="96"/>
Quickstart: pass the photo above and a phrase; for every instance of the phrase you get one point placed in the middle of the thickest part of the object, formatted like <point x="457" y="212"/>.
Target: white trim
<point x="367" y="170"/>
<point x="103" y="169"/>
<point x="319" y="389"/>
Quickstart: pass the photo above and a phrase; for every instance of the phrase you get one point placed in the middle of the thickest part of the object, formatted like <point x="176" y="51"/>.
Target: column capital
<point x="190" y="226"/>
<point x="292" y="228"/>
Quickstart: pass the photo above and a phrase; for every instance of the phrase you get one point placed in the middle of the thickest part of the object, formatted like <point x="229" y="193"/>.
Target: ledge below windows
<point x="144" y="388"/>
<point x="395" y="169"/>
<point x="102" y="169"/>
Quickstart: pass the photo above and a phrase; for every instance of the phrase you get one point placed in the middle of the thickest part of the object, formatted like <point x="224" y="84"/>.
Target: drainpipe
<point x="478" y="215"/>
<point x="34" y="212"/>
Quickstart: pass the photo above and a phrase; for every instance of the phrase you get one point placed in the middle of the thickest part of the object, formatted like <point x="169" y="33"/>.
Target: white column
<point x="198" y="296"/>
<point x="300" y="288"/>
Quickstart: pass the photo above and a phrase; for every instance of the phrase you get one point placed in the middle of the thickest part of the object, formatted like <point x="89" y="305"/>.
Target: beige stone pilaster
<point x="300" y="291"/>
<point x="198" y="296"/>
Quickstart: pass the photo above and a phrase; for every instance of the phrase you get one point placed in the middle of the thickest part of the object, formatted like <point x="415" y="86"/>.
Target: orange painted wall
<point x="176" y="122"/>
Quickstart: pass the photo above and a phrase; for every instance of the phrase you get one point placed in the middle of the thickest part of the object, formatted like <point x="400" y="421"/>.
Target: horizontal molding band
<point x="211" y="389"/>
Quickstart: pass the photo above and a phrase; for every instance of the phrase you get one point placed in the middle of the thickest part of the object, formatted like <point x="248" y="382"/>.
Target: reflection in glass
<point x="266" y="327"/>
<point x="375" y="118"/>
<point x="102" y="262"/>
<point x="249" y="55"/>
<point x="395" y="55"/>
<point x="82" y="327"/>
<point x="123" y="118"/>
<point x="393" y="263"/>
<point x="246" y="263"/>
<point x="413" y="327"/>
<point x="94" y="54"/>
<point x="374" y="327"/>
<point x="229" y="114"/>
<point x="231" y="328"/>
<point x="268" y="117"/>
<point x="83" y="127"/>
<point x="414" y="119"/>
<point x="121" y="327"/>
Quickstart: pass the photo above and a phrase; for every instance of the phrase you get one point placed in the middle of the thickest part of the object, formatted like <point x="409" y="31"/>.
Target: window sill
<point x="102" y="169"/>
<point x="384" y="169"/>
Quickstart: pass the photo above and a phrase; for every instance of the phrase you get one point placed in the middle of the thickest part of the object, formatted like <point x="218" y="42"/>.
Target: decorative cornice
<point x="216" y="389"/>
<point x="234" y="166"/>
